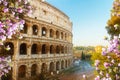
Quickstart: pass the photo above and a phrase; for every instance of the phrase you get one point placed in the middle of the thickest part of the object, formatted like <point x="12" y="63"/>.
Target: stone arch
<point x="35" y="29"/>
<point x="51" y="67"/>
<point x="58" y="49"/>
<point x="34" y="49"/>
<point x="57" y="65"/>
<point x="51" y="49"/>
<point x="62" y="64"/>
<point x="25" y="28"/>
<point x="22" y="71"/>
<point x="23" y="49"/>
<point x="66" y="63"/>
<point x="34" y="70"/>
<point x="7" y="46"/>
<point x="57" y="34"/>
<point x="44" y="68"/>
<point x="65" y="49"/>
<point x="44" y="31"/>
<point x="44" y="49"/>
<point x="51" y="33"/>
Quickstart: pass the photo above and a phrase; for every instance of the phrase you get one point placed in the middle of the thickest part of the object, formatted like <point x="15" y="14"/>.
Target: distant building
<point x="46" y="45"/>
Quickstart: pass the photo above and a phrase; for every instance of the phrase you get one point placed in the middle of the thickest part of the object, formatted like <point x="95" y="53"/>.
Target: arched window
<point x="22" y="71"/>
<point x="23" y="49"/>
<point x="10" y="46"/>
<point x="66" y="50"/>
<point x="51" y="67"/>
<point x="57" y="34"/>
<point x="51" y="33"/>
<point x="51" y="49"/>
<point x="57" y="49"/>
<point x="62" y="49"/>
<point x="44" y="31"/>
<point x="44" y="49"/>
<point x="24" y="30"/>
<point x="62" y="64"/>
<point x="57" y="65"/>
<point x="44" y="68"/>
<point x="61" y="35"/>
<point x="35" y="29"/>
<point x="66" y="63"/>
<point x="34" y="70"/>
<point x="34" y="49"/>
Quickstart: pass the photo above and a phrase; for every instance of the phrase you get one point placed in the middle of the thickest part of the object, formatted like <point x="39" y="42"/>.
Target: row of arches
<point x="53" y="66"/>
<point x="36" y="49"/>
<point x="45" y="32"/>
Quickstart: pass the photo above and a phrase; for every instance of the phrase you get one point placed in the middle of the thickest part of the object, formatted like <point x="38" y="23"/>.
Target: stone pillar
<point x="40" y="30"/>
<point x="16" y="50"/>
<point x="47" y="65"/>
<point x="48" y="33"/>
<point x="39" y="68"/>
<point x="14" y="71"/>
<point x="28" y="71"/>
<point x="29" y="50"/>
<point x="30" y="29"/>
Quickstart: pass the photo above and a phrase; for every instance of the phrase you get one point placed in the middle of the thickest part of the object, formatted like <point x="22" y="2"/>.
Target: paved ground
<point x="77" y="71"/>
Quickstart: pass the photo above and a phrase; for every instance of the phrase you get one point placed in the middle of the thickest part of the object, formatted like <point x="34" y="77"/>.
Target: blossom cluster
<point x="5" y="65"/>
<point x="11" y="14"/>
<point x="111" y="66"/>
<point x="116" y="8"/>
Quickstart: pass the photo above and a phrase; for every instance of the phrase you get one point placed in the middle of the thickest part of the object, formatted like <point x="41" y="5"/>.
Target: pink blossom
<point x="106" y="64"/>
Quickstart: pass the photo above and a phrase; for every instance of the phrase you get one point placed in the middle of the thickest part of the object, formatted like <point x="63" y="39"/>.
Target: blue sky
<point x="89" y="19"/>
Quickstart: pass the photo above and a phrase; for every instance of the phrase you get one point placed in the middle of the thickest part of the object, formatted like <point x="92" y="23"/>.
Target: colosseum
<point x="46" y="45"/>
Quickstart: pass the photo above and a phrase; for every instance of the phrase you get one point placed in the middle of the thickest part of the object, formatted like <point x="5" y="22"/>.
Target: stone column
<point x="30" y="29"/>
<point x="40" y="30"/>
<point x="14" y="71"/>
<point x="16" y="50"/>
<point x="28" y="71"/>
<point x="48" y="33"/>
<point x="29" y="50"/>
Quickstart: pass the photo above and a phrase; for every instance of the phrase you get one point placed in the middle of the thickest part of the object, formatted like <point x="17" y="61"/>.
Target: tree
<point x="11" y="22"/>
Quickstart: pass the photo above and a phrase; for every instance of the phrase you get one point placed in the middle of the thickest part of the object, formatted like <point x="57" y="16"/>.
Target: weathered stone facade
<point x="46" y="45"/>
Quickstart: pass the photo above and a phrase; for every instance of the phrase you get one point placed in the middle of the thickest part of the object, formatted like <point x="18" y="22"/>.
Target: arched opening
<point x="57" y="34"/>
<point x="66" y="50"/>
<point x="66" y="63"/>
<point x="34" y="70"/>
<point x="61" y="35"/>
<point x="7" y="76"/>
<point x="57" y="65"/>
<point x="51" y="33"/>
<point x="44" y="49"/>
<point x="34" y="49"/>
<point x="62" y="49"/>
<point x="57" y="49"/>
<point x="51" y="69"/>
<point x="35" y="29"/>
<point x="51" y="49"/>
<point x="62" y="64"/>
<point x="23" y="49"/>
<point x="44" y="31"/>
<point x="44" y="68"/>
<point x="9" y="49"/>
<point x="22" y="71"/>
<point x="24" y="30"/>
